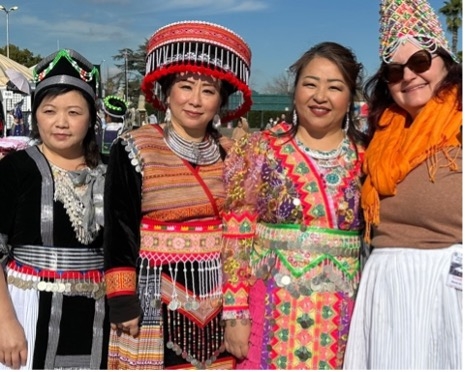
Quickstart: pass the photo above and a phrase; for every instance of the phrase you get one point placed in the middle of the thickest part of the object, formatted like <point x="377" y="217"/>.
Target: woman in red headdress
<point x="163" y="204"/>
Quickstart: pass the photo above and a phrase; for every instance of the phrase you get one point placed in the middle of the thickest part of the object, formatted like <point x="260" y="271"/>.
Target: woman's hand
<point x="236" y="336"/>
<point x="130" y="326"/>
<point x="13" y="344"/>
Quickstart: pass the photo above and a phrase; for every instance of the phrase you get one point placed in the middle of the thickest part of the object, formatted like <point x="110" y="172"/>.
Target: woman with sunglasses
<point x="408" y="312"/>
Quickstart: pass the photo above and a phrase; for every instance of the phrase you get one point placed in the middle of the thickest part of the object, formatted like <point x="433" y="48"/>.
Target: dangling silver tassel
<point x="216" y="121"/>
<point x="347" y="121"/>
<point x="168" y="115"/>
<point x="294" y="118"/>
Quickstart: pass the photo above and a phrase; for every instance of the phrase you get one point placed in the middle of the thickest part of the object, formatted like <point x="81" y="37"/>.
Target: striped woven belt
<point x="174" y="242"/>
<point x="57" y="258"/>
<point x="312" y="239"/>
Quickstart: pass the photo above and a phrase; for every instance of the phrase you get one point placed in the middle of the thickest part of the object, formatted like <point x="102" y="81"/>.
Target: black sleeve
<point x="8" y="202"/>
<point x="122" y="213"/>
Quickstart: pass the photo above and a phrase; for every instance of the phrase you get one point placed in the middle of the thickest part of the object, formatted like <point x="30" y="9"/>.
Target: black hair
<point x="351" y="69"/>
<point x="91" y="149"/>
<point x="168" y="81"/>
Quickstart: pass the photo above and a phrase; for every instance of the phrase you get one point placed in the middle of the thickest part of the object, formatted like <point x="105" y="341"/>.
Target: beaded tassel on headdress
<point x="67" y="67"/>
<point x="409" y="20"/>
<point x="64" y="53"/>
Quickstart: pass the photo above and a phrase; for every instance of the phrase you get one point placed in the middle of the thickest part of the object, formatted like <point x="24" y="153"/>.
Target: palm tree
<point x="452" y="10"/>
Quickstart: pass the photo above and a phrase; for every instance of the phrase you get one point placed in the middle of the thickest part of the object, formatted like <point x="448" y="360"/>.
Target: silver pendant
<point x="174" y="304"/>
<point x="194" y="305"/>
<point x="285" y="280"/>
<point x="187" y="306"/>
<point x="278" y="280"/>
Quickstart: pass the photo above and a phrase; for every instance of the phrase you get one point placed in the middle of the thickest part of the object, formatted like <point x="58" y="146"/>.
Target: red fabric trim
<point x="200" y="32"/>
<point x="147" y="86"/>
<point x="120" y="281"/>
<point x="232" y="223"/>
<point x="119" y="269"/>
<point x="95" y="275"/>
<point x="200" y="226"/>
<point x="221" y="363"/>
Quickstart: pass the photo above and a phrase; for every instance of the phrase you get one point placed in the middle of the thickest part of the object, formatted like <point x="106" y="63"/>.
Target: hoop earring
<point x="294" y="118"/>
<point x="168" y="115"/>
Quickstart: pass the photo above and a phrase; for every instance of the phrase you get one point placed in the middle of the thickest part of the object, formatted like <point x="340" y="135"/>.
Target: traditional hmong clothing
<point x="110" y="132"/>
<point x="163" y="256"/>
<point x="51" y="235"/>
<point x="291" y="249"/>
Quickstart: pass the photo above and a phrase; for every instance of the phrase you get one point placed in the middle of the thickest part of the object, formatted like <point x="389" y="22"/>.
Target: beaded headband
<point x="114" y="106"/>
<point x="67" y="67"/>
<point x="409" y="20"/>
<point x="200" y="47"/>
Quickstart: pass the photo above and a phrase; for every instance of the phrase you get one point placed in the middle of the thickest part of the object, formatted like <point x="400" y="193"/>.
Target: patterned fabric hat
<point x="202" y="47"/>
<point x="409" y="20"/>
<point x="69" y="68"/>
<point x="114" y="106"/>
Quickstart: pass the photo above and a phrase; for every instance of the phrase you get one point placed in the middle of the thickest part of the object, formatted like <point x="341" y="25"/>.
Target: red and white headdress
<point x="409" y="20"/>
<point x="202" y="47"/>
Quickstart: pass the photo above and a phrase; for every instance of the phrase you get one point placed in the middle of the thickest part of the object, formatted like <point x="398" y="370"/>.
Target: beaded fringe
<point x="194" y="329"/>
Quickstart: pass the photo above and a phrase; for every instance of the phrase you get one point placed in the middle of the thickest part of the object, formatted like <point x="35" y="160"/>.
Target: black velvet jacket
<point x="20" y="206"/>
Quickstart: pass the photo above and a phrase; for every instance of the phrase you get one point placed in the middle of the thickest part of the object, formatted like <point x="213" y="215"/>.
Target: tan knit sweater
<point x="423" y="214"/>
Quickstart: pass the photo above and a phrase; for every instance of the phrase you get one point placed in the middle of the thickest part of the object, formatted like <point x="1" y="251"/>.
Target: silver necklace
<point x="202" y="153"/>
<point x="325" y="159"/>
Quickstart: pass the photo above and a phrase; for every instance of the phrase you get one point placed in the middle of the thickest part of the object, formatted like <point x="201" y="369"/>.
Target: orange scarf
<point x="395" y="150"/>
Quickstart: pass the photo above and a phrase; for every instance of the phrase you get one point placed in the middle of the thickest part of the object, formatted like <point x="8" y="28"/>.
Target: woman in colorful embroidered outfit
<point x="408" y="313"/>
<point x="52" y="303"/>
<point x="164" y="199"/>
<point x="292" y="224"/>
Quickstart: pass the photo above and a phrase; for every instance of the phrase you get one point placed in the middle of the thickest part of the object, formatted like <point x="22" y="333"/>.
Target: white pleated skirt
<point x="26" y="304"/>
<point x="405" y="315"/>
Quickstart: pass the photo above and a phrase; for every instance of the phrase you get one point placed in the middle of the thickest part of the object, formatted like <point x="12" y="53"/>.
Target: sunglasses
<point x="418" y="62"/>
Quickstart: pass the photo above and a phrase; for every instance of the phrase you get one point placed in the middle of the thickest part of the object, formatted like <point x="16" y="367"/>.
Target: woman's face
<point x="63" y="122"/>
<point x="322" y="97"/>
<point x="194" y="100"/>
<point x="415" y="89"/>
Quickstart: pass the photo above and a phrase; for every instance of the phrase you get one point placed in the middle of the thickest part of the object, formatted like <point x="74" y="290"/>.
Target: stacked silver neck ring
<point x="205" y="152"/>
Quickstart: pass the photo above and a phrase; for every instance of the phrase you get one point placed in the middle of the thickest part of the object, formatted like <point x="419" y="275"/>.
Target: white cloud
<point x="118" y="2"/>
<point x="72" y="29"/>
<point x="225" y="6"/>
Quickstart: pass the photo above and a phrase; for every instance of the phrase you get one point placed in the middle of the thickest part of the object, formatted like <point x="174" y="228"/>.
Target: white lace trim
<point x="71" y="197"/>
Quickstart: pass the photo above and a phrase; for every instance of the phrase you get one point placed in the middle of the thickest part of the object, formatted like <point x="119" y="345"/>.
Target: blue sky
<point x="278" y="31"/>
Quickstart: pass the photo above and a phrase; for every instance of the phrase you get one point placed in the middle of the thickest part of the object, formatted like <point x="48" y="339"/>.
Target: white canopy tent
<point x="6" y="63"/>
<point x="10" y="98"/>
